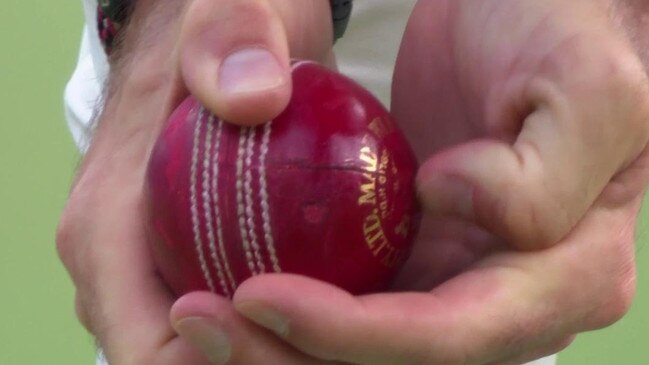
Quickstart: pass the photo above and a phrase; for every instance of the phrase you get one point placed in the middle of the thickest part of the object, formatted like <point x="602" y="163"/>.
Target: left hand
<point x="169" y="49"/>
<point x="532" y="118"/>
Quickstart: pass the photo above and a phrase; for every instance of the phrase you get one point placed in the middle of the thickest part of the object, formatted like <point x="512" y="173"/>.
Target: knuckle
<point x="616" y="304"/>
<point x="69" y="251"/>
<point x="65" y="243"/>
<point x="611" y="71"/>
<point x="615" y="71"/>
<point x="72" y="234"/>
<point x="83" y="311"/>
<point x="617" y="288"/>
<point x="611" y="67"/>
<point x="627" y="82"/>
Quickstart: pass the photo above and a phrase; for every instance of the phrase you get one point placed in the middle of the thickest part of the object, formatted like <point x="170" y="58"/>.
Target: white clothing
<point x="366" y="53"/>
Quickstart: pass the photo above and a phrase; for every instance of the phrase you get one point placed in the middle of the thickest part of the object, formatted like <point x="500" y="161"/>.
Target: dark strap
<point x="341" y="10"/>
<point x="111" y="15"/>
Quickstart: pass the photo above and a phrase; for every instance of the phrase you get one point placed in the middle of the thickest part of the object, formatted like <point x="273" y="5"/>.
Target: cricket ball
<point x="326" y="190"/>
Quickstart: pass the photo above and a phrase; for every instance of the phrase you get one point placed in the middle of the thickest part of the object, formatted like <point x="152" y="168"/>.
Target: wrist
<point x="142" y="86"/>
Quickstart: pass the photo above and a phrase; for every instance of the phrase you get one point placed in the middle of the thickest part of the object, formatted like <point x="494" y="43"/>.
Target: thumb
<point x="529" y="196"/>
<point x="497" y="186"/>
<point x="235" y="55"/>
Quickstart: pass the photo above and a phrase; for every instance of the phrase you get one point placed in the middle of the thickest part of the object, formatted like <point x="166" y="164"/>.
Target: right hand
<point x="214" y="50"/>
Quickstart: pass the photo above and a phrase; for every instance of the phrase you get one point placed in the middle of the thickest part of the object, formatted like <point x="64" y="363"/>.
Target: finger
<point x="235" y="55"/>
<point x="491" y="94"/>
<point x="508" y="302"/>
<point x="212" y="325"/>
<point x="554" y="137"/>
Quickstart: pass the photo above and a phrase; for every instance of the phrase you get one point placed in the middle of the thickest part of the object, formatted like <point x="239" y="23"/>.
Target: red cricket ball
<point x="326" y="190"/>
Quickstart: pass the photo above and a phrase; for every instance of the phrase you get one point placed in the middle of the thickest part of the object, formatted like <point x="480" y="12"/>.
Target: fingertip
<point x="207" y="336"/>
<point x="260" y="288"/>
<point x="241" y="90"/>
<point x="443" y="189"/>
<point x="285" y="288"/>
<point x="196" y="304"/>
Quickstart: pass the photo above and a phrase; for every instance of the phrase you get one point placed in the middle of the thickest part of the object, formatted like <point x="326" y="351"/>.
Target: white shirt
<point x="367" y="53"/>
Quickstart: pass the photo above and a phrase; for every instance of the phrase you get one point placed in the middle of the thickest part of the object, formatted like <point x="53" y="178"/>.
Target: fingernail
<point x="250" y="70"/>
<point x="207" y="337"/>
<point x="447" y="195"/>
<point x="264" y="316"/>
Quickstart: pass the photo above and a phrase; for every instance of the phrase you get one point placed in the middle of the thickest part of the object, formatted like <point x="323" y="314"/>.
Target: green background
<point x="39" y="41"/>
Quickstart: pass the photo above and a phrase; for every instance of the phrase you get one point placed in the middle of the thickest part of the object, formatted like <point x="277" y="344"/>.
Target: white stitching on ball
<point x="217" y="208"/>
<point x="247" y="186"/>
<point x="207" y="204"/>
<point x="240" y="205"/>
<point x="194" y="201"/>
<point x="265" y="208"/>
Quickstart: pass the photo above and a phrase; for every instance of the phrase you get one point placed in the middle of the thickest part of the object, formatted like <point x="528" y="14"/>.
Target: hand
<point x="170" y="48"/>
<point x="532" y="119"/>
